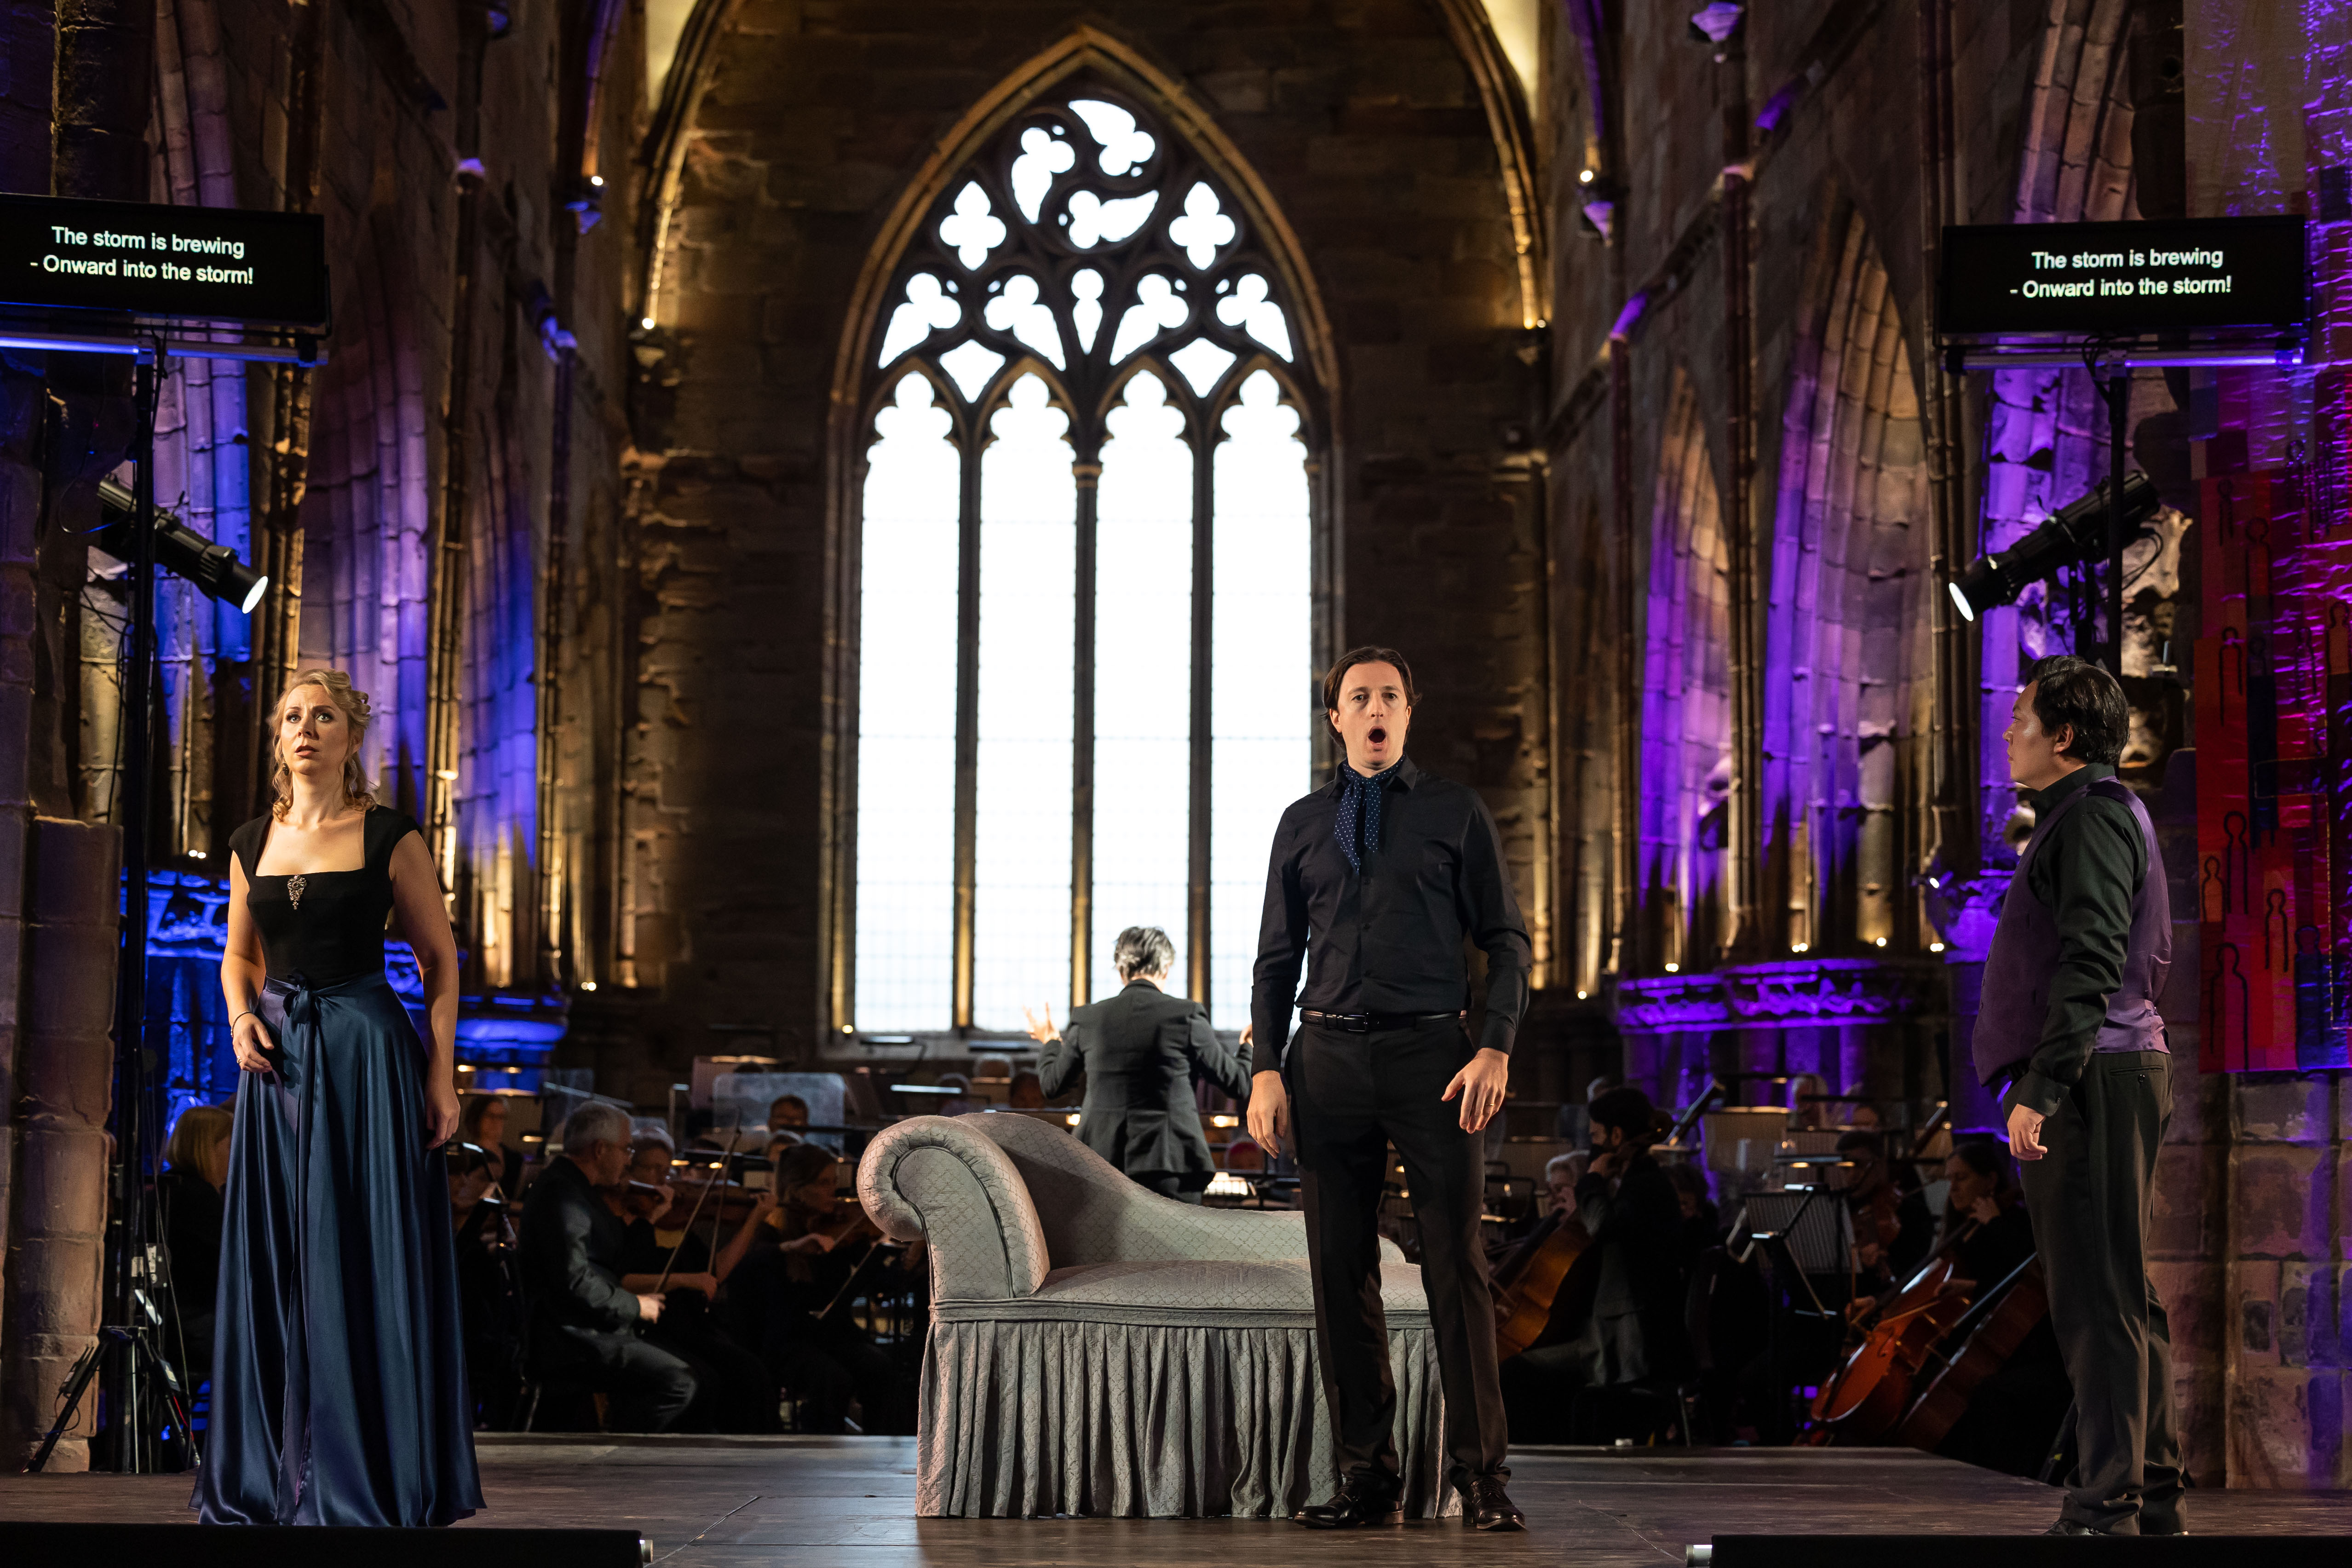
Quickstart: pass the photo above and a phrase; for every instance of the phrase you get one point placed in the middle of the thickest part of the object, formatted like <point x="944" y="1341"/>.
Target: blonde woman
<point x="339" y="1375"/>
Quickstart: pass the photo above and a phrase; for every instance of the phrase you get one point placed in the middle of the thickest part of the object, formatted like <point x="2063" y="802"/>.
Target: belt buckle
<point x="1356" y="1023"/>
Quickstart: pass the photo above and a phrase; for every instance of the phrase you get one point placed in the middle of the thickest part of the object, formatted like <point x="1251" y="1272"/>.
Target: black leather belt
<point x="1366" y="1023"/>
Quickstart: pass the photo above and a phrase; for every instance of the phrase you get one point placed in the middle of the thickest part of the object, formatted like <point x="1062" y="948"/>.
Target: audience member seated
<point x="741" y="1397"/>
<point x="196" y="1170"/>
<point x="583" y="1322"/>
<point x="1028" y="1092"/>
<point x="818" y="1353"/>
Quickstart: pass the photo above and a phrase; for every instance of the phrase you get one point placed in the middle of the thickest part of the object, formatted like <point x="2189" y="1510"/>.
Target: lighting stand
<point x="137" y="1395"/>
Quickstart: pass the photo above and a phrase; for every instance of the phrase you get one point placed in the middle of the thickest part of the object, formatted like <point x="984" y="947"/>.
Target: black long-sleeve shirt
<point x="572" y="1253"/>
<point x="2084" y="872"/>
<point x="1389" y="940"/>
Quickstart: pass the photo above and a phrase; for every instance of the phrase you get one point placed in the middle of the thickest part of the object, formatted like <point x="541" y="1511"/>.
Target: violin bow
<point x="702" y="1197"/>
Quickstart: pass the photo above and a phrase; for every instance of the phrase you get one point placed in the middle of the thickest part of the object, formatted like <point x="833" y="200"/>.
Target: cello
<point x="1870" y="1392"/>
<point x="1523" y="1308"/>
<point x="1994" y="1328"/>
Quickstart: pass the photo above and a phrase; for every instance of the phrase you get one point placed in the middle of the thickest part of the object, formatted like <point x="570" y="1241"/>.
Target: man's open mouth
<point x="1377" y="735"/>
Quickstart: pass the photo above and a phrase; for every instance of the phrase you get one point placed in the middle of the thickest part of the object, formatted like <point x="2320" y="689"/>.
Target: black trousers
<point x="650" y="1387"/>
<point x="2090" y="1199"/>
<point x="1351" y="1095"/>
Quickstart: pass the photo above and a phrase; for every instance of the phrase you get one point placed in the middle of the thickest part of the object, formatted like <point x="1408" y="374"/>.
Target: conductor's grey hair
<point x="1142" y="950"/>
<point x="595" y="1122"/>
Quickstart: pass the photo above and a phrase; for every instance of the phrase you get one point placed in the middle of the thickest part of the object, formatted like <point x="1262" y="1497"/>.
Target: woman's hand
<point x="251" y="1042"/>
<point x="441" y="1112"/>
<point x="1985" y="1211"/>
<point x="706" y="1283"/>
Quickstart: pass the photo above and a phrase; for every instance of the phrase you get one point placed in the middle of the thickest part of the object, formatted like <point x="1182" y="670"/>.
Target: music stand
<point x="1801" y="1237"/>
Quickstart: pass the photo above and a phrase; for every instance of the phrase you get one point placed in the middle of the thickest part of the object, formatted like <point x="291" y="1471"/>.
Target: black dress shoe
<point x="1359" y="1502"/>
<point x="2065" y="1526"/>
<point x="1486" y="1506"/>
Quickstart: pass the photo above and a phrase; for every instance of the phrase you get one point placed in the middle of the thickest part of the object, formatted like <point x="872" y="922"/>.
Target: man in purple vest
<point x="2070" y="1035"/>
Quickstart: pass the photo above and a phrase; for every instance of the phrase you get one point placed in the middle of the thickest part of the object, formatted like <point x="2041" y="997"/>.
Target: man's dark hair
<point x="781" y="1101"/>
<point x="1368" y="654"/>
<point x="2072" y="691"/>
<point x="1865" y="1140"/>
<point x="1626" y="1108"/>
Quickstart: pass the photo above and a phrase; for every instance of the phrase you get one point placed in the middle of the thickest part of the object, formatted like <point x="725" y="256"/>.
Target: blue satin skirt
<point x="338" y="1389"/>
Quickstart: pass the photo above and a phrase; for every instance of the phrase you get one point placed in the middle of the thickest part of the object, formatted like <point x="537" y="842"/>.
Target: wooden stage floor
<point x="848" y="1503"/>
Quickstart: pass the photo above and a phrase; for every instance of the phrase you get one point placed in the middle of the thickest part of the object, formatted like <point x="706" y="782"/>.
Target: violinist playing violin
<point x="1893" y="1230"/>
<point x="1625" y="1325"/>
<point x="818" y="1243"/>
<point x="739" y="1395"/>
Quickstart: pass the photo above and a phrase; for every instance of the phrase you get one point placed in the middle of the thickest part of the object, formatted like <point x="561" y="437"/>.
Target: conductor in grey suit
<point x="1142" y="1050"/>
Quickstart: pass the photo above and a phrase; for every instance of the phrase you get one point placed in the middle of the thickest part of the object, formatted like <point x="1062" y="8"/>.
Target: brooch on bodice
<point x="294" y="886"/>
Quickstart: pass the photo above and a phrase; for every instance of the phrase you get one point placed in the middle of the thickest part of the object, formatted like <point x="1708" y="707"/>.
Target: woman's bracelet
<point x="248" y="1013"/>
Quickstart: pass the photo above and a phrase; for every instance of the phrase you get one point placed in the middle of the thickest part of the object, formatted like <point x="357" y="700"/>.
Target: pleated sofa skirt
<point x="1122" y="1416"/>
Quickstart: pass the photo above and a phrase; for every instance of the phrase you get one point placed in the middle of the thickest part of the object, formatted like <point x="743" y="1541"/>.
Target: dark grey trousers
<point x="1351" y="1095"/>
<point x="2090" y="1199"/>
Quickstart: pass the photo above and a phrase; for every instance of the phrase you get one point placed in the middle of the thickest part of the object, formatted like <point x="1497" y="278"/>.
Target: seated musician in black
<point x="739" y="1396"/>
<point x="1880" y="1259"/>
<point x="2013" y="1416"/>
<point x="1626" y="1325"/>
<point x="584" y="1327"/>
<point x="811" y="1345"/>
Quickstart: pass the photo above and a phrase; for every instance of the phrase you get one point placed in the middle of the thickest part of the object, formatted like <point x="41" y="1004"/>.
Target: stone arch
<point x="1847" y="636"/>
<point x="1686" y="739"/>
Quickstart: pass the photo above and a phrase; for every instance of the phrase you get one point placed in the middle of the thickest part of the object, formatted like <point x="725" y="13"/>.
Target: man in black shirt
<point x="1377" y="879"/>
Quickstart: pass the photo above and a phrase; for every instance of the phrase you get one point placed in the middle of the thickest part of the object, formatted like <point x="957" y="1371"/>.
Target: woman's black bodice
<point x="331" y="928"/>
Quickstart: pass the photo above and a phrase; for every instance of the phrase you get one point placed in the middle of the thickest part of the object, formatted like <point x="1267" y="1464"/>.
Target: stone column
<point x="60" y="1085"/>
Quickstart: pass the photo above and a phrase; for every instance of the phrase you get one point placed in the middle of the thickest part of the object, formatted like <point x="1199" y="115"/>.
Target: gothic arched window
<point x="1085" y="577"/>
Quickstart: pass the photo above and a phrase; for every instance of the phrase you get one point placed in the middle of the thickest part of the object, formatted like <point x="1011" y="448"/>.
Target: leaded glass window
<point x="1085" y="665"/>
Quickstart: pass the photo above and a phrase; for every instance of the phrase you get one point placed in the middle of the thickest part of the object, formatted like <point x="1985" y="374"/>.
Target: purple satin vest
<point x="2024" y="957"/>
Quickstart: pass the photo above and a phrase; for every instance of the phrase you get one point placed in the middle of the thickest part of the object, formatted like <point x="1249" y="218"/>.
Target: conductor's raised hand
<point x="1480" y="1083"/>
<point x="1042" y="1031"/>
<point x="1269" y="1113"/>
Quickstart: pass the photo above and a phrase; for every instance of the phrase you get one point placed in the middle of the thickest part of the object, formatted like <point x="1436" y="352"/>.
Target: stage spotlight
<point x="179" y="549"/>
<point x="2076" y="533"/>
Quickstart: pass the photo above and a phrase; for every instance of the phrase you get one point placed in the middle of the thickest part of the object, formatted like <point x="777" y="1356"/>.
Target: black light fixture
<point x="2076" y="534"/>
<point x="179" y="549"/>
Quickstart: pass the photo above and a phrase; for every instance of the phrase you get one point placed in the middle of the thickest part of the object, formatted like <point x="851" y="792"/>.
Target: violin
<point x="1523" y="1309"/>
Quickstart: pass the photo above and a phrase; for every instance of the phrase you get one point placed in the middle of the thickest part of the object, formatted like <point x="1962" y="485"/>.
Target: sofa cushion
<point x="1195" y="1293"/>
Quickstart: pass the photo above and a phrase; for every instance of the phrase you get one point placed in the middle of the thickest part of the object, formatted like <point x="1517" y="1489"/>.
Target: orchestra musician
<point x="1628" y="1327"/>
<point x="809" y="1344"/>
<point x="1893" y="1229"/>
<point x="787" y="1117"/>
<point x="1140" y="1051"/>
<point x="2069" y="1034"/>
<point x="740" y="1395"/>
<point x="583" y="1324"/>
<point x="1379" y="881"/>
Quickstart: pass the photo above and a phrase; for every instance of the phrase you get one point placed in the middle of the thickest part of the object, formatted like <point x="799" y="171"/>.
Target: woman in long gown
<point x="339" y="1379"/>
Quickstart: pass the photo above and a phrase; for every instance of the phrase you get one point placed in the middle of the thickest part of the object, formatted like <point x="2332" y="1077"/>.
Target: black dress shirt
<point x="2084" y="872"/>
<point x="1389" y="940"/>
